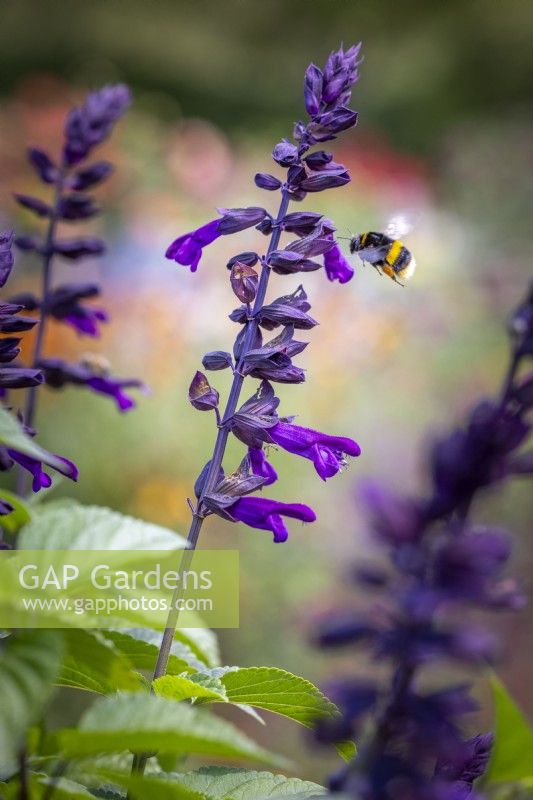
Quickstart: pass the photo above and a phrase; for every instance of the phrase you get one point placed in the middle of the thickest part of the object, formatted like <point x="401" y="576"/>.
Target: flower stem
<point x="216" y="461"/>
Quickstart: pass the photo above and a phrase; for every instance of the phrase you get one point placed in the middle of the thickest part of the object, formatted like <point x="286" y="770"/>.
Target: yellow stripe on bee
<point x="363" y="239"/>
<point x="394" y="251"/>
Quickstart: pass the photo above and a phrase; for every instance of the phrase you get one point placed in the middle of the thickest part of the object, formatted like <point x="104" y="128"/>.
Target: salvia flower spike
<point x="439" y="566"/>
<point x="326" y="96"/>
<point x="86" y="127"/>
<point x="14" y="375"/>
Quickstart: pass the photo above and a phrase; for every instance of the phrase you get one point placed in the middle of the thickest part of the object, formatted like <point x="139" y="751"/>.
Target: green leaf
<point x="29" y="663"/>
<point x="198" y="686"/>
<point x="77" y="527"/>
<point x="12" y="435"/>
<point x="513" y="739"/>
<point x="155" y="788"/>
<point x="141" y="647"/>
<point x="64" y="788"/>
<point x="225" y="783"/>
<point x="277" y="691"/>
<point x="20" y="515"/>
<point x="144" y="723"/>
<point x="93" y="663"/>
<point x="280" y="692"/>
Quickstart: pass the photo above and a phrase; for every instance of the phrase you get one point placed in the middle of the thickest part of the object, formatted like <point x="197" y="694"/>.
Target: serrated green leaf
<point x="280" y="692"/>
<point x="93" y="663"/>
<point x="197" y="686"/>
<point x="155" y="788"/>
<point x="144" y="723"/>
<point x="141" y="647"/>
<point x="20" y="515"/>
<point x="225" y="783"/>
<point x="276" y="690"/>
<point x="77" y="527"/>
<point x="12" y="435"/>
<point x="511" y="757"/>
<point x="29" y="663"/>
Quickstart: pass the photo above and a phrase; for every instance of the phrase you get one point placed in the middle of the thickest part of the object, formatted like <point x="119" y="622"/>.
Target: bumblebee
<point x="386" y="252"/>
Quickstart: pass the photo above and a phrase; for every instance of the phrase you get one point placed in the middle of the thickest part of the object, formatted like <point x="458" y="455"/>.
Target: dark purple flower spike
<point x="440" y="566"/>
<point x="86" y="127"/>
<point x="256" y="422"/>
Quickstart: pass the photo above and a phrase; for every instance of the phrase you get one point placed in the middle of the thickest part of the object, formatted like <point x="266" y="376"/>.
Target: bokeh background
<point x="444" y="134"/>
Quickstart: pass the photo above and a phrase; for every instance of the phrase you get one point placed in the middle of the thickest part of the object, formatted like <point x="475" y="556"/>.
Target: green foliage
<point x="144" y="723"/>
<point x="223" y="783"/>
<point x="92" y="662"/>
<point x="77" y="527"/>
<point x="511" y="758"/>
<point x="141" y="647"/>
<point x="194" y="687"/>
<point x="29" y="663"/>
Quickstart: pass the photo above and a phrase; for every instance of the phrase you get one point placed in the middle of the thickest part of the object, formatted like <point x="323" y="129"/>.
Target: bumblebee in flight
<point x="386" y="252"/>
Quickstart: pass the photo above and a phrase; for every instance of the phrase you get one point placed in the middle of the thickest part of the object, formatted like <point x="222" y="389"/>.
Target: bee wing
<point x="373" y="254"/>
<point x="400" y="225"/>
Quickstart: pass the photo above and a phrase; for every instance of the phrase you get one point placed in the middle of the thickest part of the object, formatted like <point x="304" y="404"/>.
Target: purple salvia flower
<point x="326" y="452"/>
<point x="40" y="479"/>
<point x="337" y="267"/>
<point x="313" y="89"/>
<point x="267" y="515"/>
<point x="59" y="373"/>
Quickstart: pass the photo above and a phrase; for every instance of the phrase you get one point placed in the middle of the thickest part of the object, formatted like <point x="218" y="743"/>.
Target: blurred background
<point x="444" y="134"/>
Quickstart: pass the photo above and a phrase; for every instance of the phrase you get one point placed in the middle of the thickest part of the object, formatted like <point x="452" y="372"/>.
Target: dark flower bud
<point x="328" y="125"/>
<point x="318" y="160"/>
<point x="238" y="219"/>
<point x="265" y="181"/>
<point x="28" y="243"/>
<point x="33" y="204"/>
<point x="78" y="248"/>
<point x="91" y="176"/>
<point x="11" y="322"/>
<point x="295" y="176"/>
<point x="25" y="300"/>
<point x="76" y="206"/>
<point x="9" y="349"/>
<point x="216" y="360"/>
<point x="320" y="181"/>
<point x="286" y="154"/>
<point x="19" y="377"/>
<point x="285" y="262"/>
<point x="6" y="256"/>
<point x="244" y="281"/>
<point x="43" y="165"/>
<point x="201" y="395"/>
<point x="313" y="245"/>
<point x="312" y="89"/>
<point x="290" y="309"/>
<point x="301" y="222"/>
<point x="342" y="629"/>
<point x="245" y="258"/>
